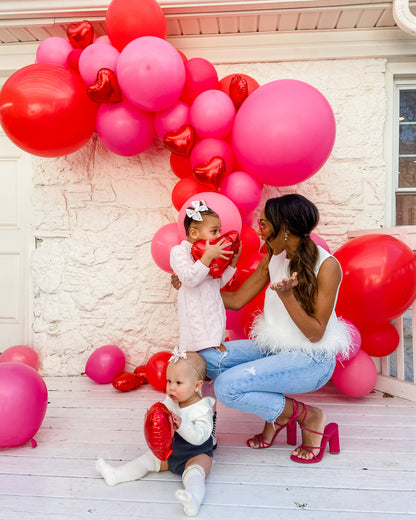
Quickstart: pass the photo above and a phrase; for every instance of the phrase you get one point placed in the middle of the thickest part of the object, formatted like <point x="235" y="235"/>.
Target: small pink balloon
<point x="355" y="343"/>
<point x="103" y="40"/>
<point x="163" y="241"/>
<point x="319" y="241"/>
<point x="21" y="354"/>
<point x="226" y="209"/>
<point x="105" y="363"/>
<point x="54" y="50"/>
<point x="151" y="73"/>
<point x="171" y="119"/>
<point x="356" y="377"/>
<point x="124" y="129"/>
<point x="212" y="114"/>
<point x="211" y="147"/>
<point x="96" y="57"/>
<point x="243" y="189"/>
<point x="200" y="76"/>
<point x="23" y="403"/>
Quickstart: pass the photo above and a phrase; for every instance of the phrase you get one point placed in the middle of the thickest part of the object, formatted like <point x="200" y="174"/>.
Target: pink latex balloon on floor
<point x="283" y="132"/>
<point x="95" y="57"/>
<point x="124" y="129"/>
<point x="105" y="363"/>
<point x="21" y="354"/>
<point x="171" y="119"/>
<point x="163" y="241"/>
<point x="226" y="209"/>
<point x="200" y="76"/>
<point x="243" y="189"/>
<point x="54" y="50"/>
<point x="212" y="114"/>
<point x="151" y="73"/>
<point x="356" y="377"/>
<point x="211" y="147"/>
<point x="23" y="403"/>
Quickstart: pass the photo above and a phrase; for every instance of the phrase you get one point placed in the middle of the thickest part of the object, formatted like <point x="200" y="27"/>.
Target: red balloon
<point x="380" y="339"/>
<point x="80" y="34"/>
<point x="218" y="265"/>
<point x="127" y="381"/>
<point x="225" y="83"/>
<point x="247" y="265"/>
<point x="185" y="189"/>
<point x="105" y="89"/>
<point x="180" y="142"/>
<point x="200" y="76"/>
<point x="210" y="174"/>
<point x="140" y="371"/>
<point x="250" y="240"/>
<point x="127" y="20"/>
<point x="45" y="110"/>
<point x="156" y="370"/>
<point x="379" y="279"/>
<point x="159" y="430"/>
<point x="357" y="376"/>
<point x="181" y="166"/>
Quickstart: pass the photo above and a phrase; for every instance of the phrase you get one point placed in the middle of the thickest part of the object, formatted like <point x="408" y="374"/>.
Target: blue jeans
<point x="248" y="380"/>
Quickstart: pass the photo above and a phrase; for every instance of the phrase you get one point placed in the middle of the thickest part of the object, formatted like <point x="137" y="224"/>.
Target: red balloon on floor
<point x="156" y="370"/>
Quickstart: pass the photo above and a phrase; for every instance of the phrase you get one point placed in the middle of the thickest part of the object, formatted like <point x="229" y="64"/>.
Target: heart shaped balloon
<point x="105" y="89"/>
<point x="127" y="381"/>
<point x="140" y="371"/>
<point x="238" y="90"/>
<point x="210" y="174"/>
<point x="180" y="142"/>
<point x="218" y="265"/>
<point x="81" y="34"/>
<point x="158" y="430"/>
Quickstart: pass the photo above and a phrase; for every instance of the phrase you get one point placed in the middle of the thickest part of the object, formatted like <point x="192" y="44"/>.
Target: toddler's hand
<point x="213" y="251"/>
<point x="236" y="256"/>
<point x="177" y="421"/>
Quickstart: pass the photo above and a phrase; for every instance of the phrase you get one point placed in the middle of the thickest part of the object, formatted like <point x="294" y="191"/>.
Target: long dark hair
<point x="299" y="216"/>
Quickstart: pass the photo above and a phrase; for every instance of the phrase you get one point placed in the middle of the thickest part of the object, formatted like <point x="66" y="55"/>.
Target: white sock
<point x="132" y="470"/>
<point x="191" y="497"/>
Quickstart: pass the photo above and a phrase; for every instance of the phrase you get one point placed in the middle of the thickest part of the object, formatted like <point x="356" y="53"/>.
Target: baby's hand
<point x="286" y="285"/>
<point x="217" y="250"/>
<point x="177" y="421"/>
<point x="236" y="256"/>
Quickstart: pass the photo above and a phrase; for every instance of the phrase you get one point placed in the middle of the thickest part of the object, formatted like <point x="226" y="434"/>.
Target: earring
<point x="286" y="236"/>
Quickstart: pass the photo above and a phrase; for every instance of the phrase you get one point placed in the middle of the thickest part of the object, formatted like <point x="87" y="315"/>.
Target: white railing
<point x="397" y="372"/>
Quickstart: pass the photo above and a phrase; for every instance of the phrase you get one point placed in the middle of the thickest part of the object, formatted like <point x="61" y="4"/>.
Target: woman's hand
<point x="175" y="282"/>
<point x="286" y="285"/>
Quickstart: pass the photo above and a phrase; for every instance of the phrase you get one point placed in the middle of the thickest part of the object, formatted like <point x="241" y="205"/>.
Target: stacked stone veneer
<point x="95" y="213"/>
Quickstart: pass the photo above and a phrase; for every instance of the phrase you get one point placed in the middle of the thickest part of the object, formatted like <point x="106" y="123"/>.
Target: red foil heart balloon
<point x="180" y="142"/>
<point x="218" y="265"/>
<point x="140" y="371"/>
<point x="158" y="430"/>
<point x="105" y="89"/>
<point x="81" y="34"/>
<point x="210" y="174"/>
<point x="127" y="381"/>
<point x="238" y="90"/>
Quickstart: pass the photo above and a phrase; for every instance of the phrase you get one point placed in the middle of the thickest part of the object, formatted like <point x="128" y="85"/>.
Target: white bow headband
<point x="195" y="214"/>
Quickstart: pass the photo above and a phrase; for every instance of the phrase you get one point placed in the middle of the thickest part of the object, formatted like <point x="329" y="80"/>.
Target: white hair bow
<point x="177" y="355"/>
<point x="195" y="214"/>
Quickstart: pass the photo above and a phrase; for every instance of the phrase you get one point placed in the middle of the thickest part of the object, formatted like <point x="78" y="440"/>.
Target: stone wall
<point x="95" y="213"/>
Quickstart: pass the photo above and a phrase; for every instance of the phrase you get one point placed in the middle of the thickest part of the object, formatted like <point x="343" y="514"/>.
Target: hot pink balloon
<point x="355" y="343"/>
<point x="95" y="57"/>
<point x="54" y="50"/>
<point x="243" y="189"/>
<point x="212" y="114"/>
<point x="163" y="241"/>
<point x="124" y="129"/>
<point x="23" y="403"/>
<point x="319" y="241"/>
<point x="171" y="119"/>
<point x="211" y="147"/>
<point x="20" y="354"/>
<point x="356" y="377"/>
<point x="105" y="363"/>
<point x="283" y="132"/>
<point x="151" y="73"/>
<point x="200" y="76"/>
<point x="228" y="212"/>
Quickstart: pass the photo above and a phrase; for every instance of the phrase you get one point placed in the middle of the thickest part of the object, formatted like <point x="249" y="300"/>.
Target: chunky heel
<point x="291" y="436"/>
<point x="332" y="431"/>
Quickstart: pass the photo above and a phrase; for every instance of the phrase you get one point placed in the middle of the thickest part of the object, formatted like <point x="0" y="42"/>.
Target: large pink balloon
<point x="200" y="76"/>
<point x="243" y="189"/>
<point x="211" y="147"/>
<point x="105" y="363"/>
<point x="54" y="50"/>
<point x="228" y="212"/>
<point x="171" y="119"/>
<point x="356" y="377"/>
<point x="163" y="241"/>
<point x="319" y="241"/>
<point x="151" y="73"/>
<point x="95" y="57"/>
<point x="283" y="132"/>
<point x="23" y="403"/>
<point x="20" y="354"/>
<point x="124" y="129"/>
<point x="212" y="114"/>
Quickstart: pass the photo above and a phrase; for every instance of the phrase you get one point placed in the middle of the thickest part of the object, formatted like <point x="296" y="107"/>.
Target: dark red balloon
<point x="127" y="381"/>
<point x="180" y="142"/>
<point x="140" y="371"/>
<point x="218" y="265"/>
<point x="238" y="87"/>
<point x="184" y="190"/>
<point x="181" y="166"/>
<point x="156" y="370"/>
<point x="105" y="89"/>
<point x="80" y="34"/>
<point x="380" y="339"/>
<point x="210" y="174"/>
<point x="45" y="110"/>
<point x="159" y="431"/>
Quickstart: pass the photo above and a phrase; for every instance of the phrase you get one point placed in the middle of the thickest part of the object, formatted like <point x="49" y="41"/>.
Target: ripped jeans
<point x="248" y="380"/>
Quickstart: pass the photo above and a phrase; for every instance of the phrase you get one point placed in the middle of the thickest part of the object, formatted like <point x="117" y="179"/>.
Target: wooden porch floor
<point x="373" y="478"/>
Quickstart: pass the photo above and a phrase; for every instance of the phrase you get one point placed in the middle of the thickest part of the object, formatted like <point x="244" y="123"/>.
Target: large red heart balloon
<point x="127" y="381"/>
<point x="180" y="142"/>
<point x="218" y="265"/>
<point x="158" y="430"/>
<point x="238" y="90"/>
<point x="81" y="34"/>
<point x="105" y="89"/>
<point x="210" y="174"/>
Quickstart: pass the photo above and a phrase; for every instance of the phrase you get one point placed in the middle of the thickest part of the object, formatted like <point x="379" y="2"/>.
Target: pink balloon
<point x="354" y="345"/>
<point x="54" y="50"/>
<point x="283" y="132"/>
<point x="124" y="129"/>
<point x="211" y="147"/>
<point x="163" y="241"/>
<point x="235" y="335"/>
<point x="319" y="241"/>
<point x="103" y="39"/>
<point x="234" y="320"/>
<point x="171" y="119"/>
<point x="243" y="190"/>
<point x="95" y="57"/>
<point x="20" y="354"/>
<point x="356" y="377"/>
<point x="212" y="114"/>
<point x="228" y="212"/>
<point x="248" y="218"/>
<point x="105" y="363"/>
<point x="151" y="73"/>
<point x="200" y="76"/>
<point x="23" y="403"/>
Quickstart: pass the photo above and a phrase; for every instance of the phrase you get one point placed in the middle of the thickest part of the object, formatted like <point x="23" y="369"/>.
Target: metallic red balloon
<point x="80" y="34"/>
<point x="180" y="142"/>
<point x="218" y="265"/>
<point x="140" y="371"/>
<point x="158" y="430"/>
<point x="210" y="174"/>
<point x="127" y="381"/>
<point x="238" y="90"/>
<point x="106" y="88"/>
